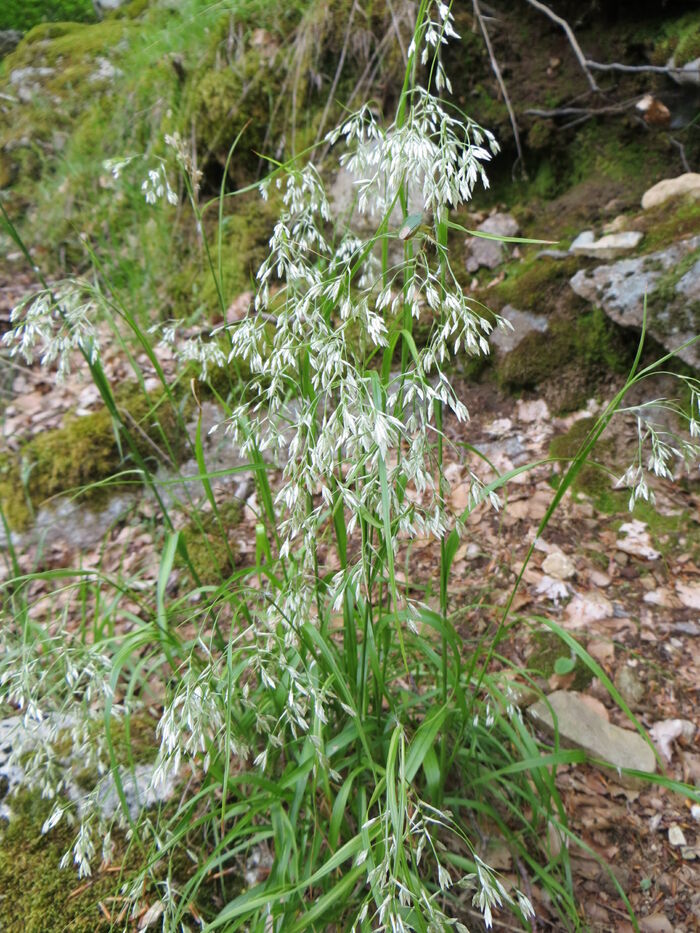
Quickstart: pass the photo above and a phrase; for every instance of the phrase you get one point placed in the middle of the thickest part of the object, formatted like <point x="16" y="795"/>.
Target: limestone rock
<point x="672" y="302"/>
<point x="583" y="240"/>
<point x="609" y="246"/>
<point x="490" y="253"/>
<point x="558" y="565"/>
<point x="687" y="185"/>
<point x="523" y="322"/>
<point x="579" y="726"/>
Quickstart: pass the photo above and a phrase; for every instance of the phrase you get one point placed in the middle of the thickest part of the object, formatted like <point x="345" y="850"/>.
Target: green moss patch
<point x="35" y="894"/>
<point x="568" y="361"/>
<point x="680" y="40"/>
<point x="24" y="14"/>
<point x="86" y="451"/>
<point x="211" y="549"/>
<point x="593" y="481"/>
<point x="534" y="284"/>
<point x="546" y="651"/>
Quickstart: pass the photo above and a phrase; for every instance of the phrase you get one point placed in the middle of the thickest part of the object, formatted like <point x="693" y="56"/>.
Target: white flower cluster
<point x="419" y="834"/>
<point x="660" y="451"/>
<point x="156" y="186"/>
<point x="61" y="688"/>
<point x="54" y="323"/>
<point x="430" y="153"/>
<point x="207" y="354"/>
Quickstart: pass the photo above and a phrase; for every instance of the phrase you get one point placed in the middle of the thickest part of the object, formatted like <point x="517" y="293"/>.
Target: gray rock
<point x="490" y="253"/>
<point x="579" y="726"/>
<point x="105" y="6"/>
<point x="620" y="289"/>
<point x="106" y="71"/>
<point x="27" y="81"/>
<point x="584" y="239"/>
<point x="138" y="792"/>
<point x="553" y="254"/>
<point x="607" y="247"/>
<point x="9" y="40"/>
<point x="18" y="738"/>
<point x="524" y="322"/>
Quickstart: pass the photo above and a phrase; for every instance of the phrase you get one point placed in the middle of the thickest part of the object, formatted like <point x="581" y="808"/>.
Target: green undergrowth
<point x="35" y="894"/>
<point x="22" y="15"/>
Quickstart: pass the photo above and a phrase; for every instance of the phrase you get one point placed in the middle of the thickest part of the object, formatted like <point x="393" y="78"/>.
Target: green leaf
<point x="564" y="666"/>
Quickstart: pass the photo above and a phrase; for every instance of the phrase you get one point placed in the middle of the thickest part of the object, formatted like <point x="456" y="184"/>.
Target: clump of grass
<point x="336" y="731"/>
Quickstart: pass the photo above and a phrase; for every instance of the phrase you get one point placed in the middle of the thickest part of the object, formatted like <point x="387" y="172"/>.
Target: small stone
<point x="689" y="594"/>
<point x="581" y="727"/>
<point x="617" y="224"/>
<point x="687" y="185"/>
<point x="490" y="253"/>
<point x="558" y="565"/>
<point x="695" y="812"/>
<point x="636" y="541"/>
<point x="676" y="837"/>
<point x="532" y="411"/>
<point x="631" y="688"/>
<point x="607" y="247"/>
<point x="598" y="578"/>
<point x="523" y="322"/>
<point x="588" y="607"/>
<point x="585" y="238"/>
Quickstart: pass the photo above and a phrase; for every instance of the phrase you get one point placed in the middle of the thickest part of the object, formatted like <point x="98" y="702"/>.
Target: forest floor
<point x="627" y="588"/>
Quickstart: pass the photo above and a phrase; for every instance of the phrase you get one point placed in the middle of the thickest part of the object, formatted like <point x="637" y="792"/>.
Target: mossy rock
<point x="681" y="41"/>
<point x="244" y="247"/>
<point x="37" y="896"/>
<point x="535" y="284"/>
<point x="211" y="550"/>
<point x="86" y="451"/>
<point x="666" y="224"/>
<point x="569" y="361"/>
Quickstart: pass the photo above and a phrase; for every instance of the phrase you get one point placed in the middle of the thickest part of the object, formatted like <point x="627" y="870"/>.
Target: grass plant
<point x="342" y="751"/>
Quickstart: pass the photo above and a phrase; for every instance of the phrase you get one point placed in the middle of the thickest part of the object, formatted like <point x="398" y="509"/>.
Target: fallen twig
<point x="573" y="42"/>
<point x="632" y="69"/>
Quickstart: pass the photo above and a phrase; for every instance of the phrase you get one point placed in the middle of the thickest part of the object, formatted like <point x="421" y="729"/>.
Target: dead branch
<point x="573" y="42"/>
<point x="501" y="83"/>
<point x="633" y="69"/>
<point x="581" y="111"/>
